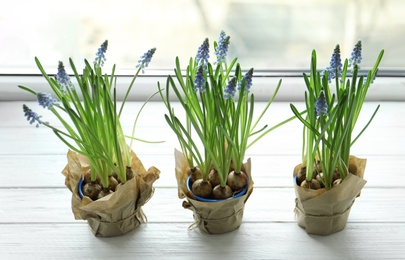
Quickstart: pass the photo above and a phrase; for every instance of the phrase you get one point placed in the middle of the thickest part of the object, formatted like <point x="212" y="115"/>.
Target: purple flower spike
<point x="199" y="80"/>
<point x="335" y="67"/>
<point x="146" y="59"/>
<point x="100" y="54"/>
<point x="222" y="49"/>
<point x="230" y="89"/>
<point x="355" y="57"/>
<point x="203" y="53"/>
<point x="31" y="116"/>
<point x="46" y="100"/>
<point x="63" y="78"/>
<point x="321" y="107"/>
<point x="248" y="80"/>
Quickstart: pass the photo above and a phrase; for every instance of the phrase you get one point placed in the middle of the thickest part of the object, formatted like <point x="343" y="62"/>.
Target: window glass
<point x="265" y="34"/>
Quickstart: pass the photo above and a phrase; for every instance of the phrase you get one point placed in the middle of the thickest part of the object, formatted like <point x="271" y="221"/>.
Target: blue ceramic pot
<point x="80" y="188"/>
<point x="296" y="179"/>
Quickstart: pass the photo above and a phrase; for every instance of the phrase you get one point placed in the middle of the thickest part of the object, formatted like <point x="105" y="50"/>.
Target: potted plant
<point x="329" y="178"/>
<point x="108" y="182"/>
<point x="217" y="130"/>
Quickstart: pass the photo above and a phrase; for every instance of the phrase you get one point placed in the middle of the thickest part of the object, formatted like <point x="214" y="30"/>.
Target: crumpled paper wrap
<point x="119" y="212"/>
<point x="211" y="217"/>
<point x="325" y="211"/>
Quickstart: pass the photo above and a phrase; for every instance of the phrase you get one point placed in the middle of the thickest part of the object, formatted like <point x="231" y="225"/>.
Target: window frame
<point x="389" y="85"/>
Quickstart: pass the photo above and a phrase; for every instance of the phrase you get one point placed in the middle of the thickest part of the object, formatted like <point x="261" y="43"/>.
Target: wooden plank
<point x="384" y="141"/>
<point x="264" y="205"/>
<point x="174" y="241"/>
<point x="36" y="219"/>
<point x="383" y="138"/>
<point x="268" y="171"/>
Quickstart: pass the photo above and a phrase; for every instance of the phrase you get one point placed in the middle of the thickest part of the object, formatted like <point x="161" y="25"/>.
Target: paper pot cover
<point x="325" y="211"/>
<point x="119" y="212"/>
<point x="211" y="217"/>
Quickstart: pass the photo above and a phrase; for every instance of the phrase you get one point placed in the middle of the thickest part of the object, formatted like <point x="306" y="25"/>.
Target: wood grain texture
<point x="36" y="221"/>
<point x="43" y="205"/>
<point x="174" y="241"/>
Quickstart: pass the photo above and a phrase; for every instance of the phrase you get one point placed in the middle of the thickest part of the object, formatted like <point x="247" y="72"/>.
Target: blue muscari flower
<point x="335" y="67"/>
<point x="31" y="116"/>
<point x="63" y="78"/>
<point x="222" y="48"/>
<point x="203" y="53"/>
<point x="372" y="81"/>
<point x="248" y="80"/>
<point x="100" y="54"/>
<point x="199" y="80"/>
<point x="321" y="107"/>
<point x="230" y="89"/>
<point x="145" y="59"/>
<point x="46" y="100"/>
<point x="355" y="57"/>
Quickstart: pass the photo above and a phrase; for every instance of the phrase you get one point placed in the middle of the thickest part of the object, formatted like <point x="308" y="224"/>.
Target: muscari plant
<point x="90" y="117"/>
<point x="218" y="124"/>
<point x="331" y="116"/>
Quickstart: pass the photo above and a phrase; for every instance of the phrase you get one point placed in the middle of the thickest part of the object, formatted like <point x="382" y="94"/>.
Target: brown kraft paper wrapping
<point x="325" y="211"/>
<point x="211" y="217"/>
<point x="119" y="212"/>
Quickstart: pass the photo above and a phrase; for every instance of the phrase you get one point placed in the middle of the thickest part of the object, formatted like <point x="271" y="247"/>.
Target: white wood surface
<point x="36" y="221"/>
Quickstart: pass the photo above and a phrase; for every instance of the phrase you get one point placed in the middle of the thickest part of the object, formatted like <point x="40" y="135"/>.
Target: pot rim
<point x="80" y="188"/>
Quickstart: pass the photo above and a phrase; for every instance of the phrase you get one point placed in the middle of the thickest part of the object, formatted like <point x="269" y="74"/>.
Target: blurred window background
<point x="269" y="35"/>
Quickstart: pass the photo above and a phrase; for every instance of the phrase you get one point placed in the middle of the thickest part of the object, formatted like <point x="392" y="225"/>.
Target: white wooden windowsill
<point x="36" y="221"/>
<point x="385" y="88"/>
